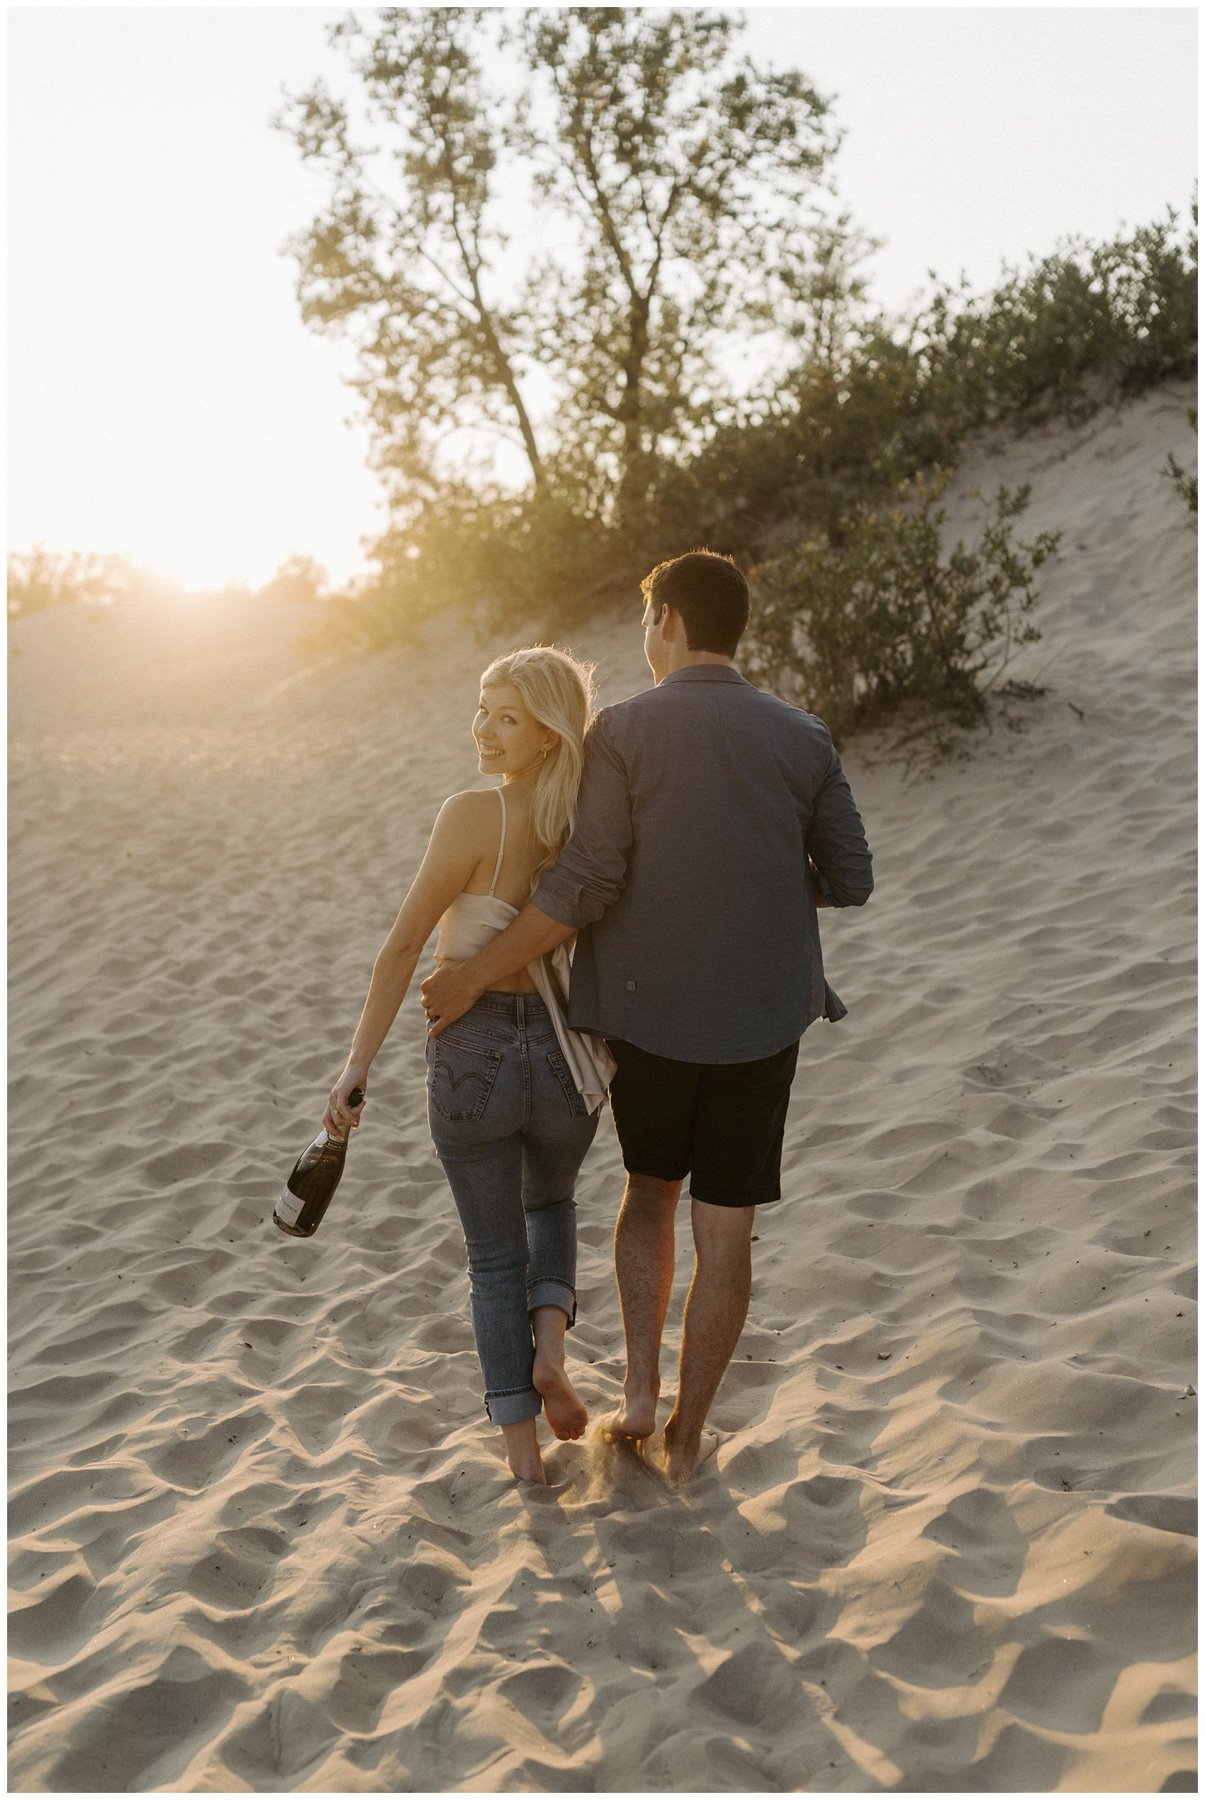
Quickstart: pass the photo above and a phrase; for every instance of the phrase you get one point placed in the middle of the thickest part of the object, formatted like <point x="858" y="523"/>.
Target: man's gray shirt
<point x="710" y="814"/>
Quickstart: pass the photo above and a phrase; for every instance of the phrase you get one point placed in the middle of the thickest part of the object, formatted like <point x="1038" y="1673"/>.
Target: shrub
<point x="39" y="578"/>
<point x="836" y="432"/>
<point x="1088" y="323"/>
<point x="855" y="627"/>
<point x="529" y="564"/>
<point x="299" y="581"/>
<point x="883" y="400"/>
<point x="805" y="480"/>
<point x="1184" y="483"/>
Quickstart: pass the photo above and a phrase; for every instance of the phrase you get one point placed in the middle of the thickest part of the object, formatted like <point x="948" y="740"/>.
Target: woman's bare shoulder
<point x="473" y="810"/>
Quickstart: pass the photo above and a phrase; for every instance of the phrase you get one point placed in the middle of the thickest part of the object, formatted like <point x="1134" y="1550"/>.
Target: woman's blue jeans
<point x="510" y="1129"/>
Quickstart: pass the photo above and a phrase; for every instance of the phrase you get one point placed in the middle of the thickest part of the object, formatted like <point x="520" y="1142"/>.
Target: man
<point x="712" y="821"/>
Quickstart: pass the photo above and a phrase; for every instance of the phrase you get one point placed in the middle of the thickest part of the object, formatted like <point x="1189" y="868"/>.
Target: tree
<point x="672" y="181"/>
<point x="404" y="255"/>
<point x="39" y="578"/>
<point x="684" y="169"/>
<point x="299" y="581"/>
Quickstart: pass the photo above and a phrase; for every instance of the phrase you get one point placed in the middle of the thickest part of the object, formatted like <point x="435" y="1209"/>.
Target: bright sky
<point x="164" y="398"/>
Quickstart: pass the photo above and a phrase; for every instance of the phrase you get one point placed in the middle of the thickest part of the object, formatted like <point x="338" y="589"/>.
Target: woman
<point x="512" y="1093"/>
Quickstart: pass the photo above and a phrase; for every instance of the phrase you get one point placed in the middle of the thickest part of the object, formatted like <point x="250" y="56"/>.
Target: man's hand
<point x="448" y="994"/>
<point x="455" y="987"/>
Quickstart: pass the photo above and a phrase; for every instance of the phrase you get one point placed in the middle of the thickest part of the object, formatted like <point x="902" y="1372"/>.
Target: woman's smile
<point x="509" y="740"/>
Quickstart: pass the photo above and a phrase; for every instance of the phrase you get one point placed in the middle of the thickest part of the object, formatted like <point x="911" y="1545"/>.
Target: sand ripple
<point x="261" y="1538"/>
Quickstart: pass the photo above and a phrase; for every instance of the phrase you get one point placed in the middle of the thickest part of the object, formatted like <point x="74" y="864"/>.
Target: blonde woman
<point x="513" y="1095"/>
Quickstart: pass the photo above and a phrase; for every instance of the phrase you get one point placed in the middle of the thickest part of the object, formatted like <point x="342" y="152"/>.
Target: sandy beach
<point x="263" y="1539"/>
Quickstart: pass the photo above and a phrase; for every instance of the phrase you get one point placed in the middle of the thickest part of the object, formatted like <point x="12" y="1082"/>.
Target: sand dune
<point x="261" y="1537"/>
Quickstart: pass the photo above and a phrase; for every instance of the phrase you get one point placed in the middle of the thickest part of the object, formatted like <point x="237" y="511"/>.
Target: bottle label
<point x="289" y="1206"/>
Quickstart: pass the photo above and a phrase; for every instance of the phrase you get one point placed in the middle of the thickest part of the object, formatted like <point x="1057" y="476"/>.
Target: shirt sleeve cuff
<point x="560" y="899"/>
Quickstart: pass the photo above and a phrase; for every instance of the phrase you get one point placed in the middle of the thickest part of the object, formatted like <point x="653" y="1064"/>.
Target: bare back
<point x="506" y="857"/>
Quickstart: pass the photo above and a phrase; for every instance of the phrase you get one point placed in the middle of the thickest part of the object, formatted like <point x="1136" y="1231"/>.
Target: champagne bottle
<point x="311" y="1186"/>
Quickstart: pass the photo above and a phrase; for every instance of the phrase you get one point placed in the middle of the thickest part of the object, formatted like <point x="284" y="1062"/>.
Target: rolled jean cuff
<point x="547" y="1291"/>
<point x="513" y="1408"/>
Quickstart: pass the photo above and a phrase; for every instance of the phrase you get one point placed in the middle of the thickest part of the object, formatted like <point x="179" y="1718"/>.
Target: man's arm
<point x="836" y="842"/>
<point x="588" y="877"/>
<point x="592" y="869"/>
<point x="457" y="986"/>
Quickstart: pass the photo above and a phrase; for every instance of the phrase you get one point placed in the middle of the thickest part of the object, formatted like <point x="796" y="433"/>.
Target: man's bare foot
<point x="681" y="1458"/>
<point x="636" y="1418"/>
<point x="563" y="1408"/>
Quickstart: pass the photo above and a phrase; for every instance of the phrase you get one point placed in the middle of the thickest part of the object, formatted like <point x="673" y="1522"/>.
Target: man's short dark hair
<point x="710" y="593"/>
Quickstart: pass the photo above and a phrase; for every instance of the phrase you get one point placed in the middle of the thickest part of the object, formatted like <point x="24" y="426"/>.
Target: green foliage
<point x="404" y="257"/>
<point x="872" y="401"/>
<point x="668" y="181"/>
<point x="39" y="578"/>
<point x="1184" y="483"/>
<point x="299" y="581"/>
<point x="1089" y="323"/>
<point x="530" y="560"/>
<point x="861" y="616"/>
<point x="839" y="429"/>
<point x="879" y="616"/>
<point x="682" y="171"/>
<point x="673" y="336"/>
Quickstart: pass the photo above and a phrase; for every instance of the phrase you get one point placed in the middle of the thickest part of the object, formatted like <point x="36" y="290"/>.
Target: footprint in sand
<point x="55" y="1624"/>
<point x="991" y="1546"/>
<point x="196" y="1461"/>
<point x="138" y="1738"/>
<point x="231" y="1583"/>
<point x="542" y="1694"/>
<point x="937" y="1646"/>
<point x="1062" y="1684"/>
<point x="424" y="1586"/>
<point x="1163" y="1512"/>
<point x="754" y="1684"/>
<point x="369" y="1677"/>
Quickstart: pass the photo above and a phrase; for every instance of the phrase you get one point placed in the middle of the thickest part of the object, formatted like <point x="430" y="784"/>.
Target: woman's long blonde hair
<point x="558" y="691"/>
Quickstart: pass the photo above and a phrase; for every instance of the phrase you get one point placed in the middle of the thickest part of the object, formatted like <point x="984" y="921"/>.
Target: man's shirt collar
<point x="704" y="672"/>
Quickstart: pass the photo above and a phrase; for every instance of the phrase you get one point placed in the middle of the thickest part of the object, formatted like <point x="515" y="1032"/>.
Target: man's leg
<point x="716" y="1308"/>
<point x="644" y="1273"/>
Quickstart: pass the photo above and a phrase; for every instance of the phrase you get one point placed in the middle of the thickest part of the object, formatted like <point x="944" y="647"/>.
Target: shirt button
<point x="631" y="987"/>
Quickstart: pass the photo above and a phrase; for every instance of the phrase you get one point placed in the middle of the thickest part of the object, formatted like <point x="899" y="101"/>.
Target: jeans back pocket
<point x="564" y="1074"/>
<point x="462" y="1077"/>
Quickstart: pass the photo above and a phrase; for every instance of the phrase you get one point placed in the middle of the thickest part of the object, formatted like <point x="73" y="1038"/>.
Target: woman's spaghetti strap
<point x="501" y="840"/>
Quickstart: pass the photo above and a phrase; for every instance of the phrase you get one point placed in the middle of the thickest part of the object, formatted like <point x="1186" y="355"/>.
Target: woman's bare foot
<point x="563" y="1407"/>
<point x="636" y="1418"/>
<point x="523" y="1452"/>
<point x="682" y="1458"/>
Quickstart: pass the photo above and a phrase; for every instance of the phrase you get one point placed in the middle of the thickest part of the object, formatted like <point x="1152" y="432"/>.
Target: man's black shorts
<point x="721" y="1121"/>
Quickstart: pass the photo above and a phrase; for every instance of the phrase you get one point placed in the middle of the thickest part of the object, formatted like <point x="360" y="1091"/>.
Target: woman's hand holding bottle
<point x="341" y="1116"/>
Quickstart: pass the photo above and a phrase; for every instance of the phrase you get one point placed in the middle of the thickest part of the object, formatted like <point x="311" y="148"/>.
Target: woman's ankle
<point x="548" y="1327"/>
<point x="523" y="1451"/>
